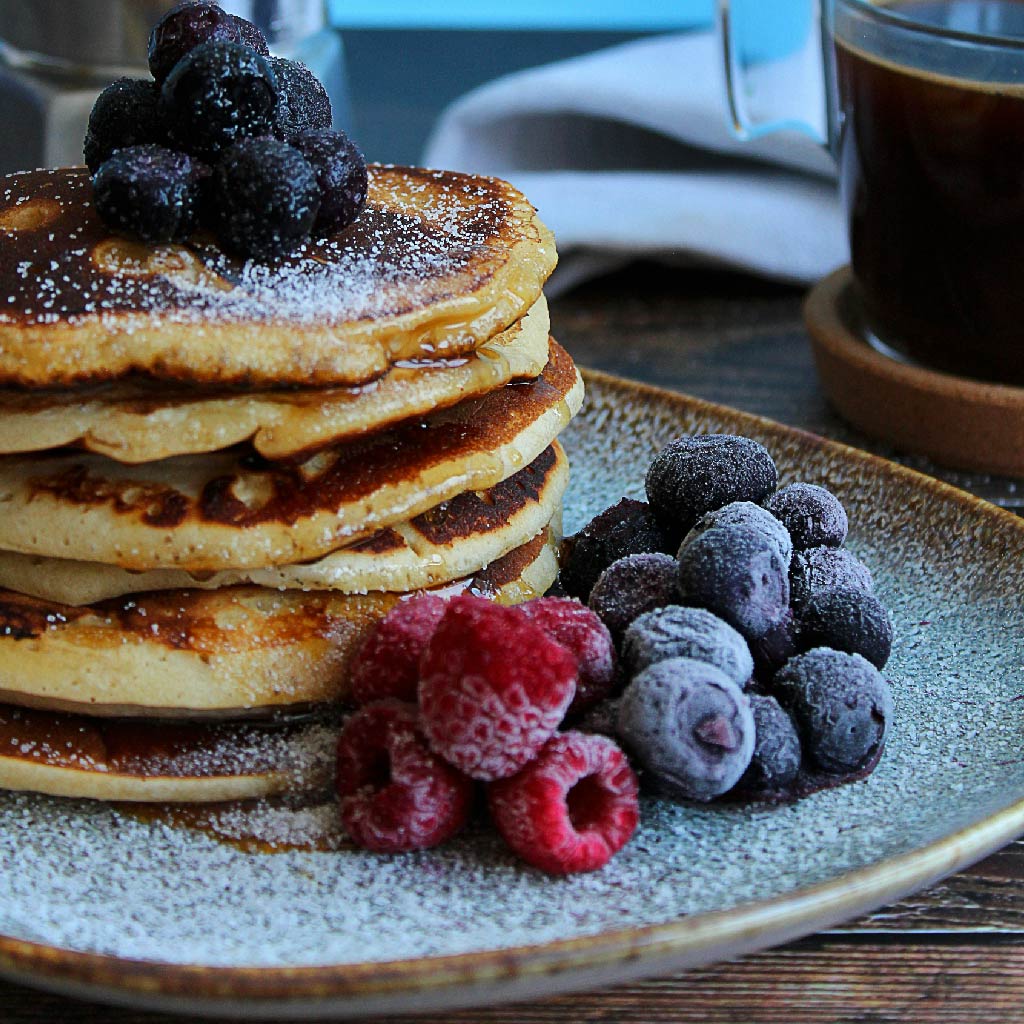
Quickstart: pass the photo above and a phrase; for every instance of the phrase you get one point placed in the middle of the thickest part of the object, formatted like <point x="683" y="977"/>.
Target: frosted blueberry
<point x="631" y="586"/>
<point x="738" y="573"/>
<point x="677" y="632"/>
<point x="841" y="704"/>
<point x="813" y="515"/>
<point x="689" y="726"/>
<point x="850" y="620"/>
<point x="696" y="474"/>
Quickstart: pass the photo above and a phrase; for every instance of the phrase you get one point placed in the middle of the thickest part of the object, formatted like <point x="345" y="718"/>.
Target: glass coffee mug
<point x="926" y="122"/>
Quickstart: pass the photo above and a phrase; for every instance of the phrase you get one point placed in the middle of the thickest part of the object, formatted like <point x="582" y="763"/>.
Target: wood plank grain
<point x="814" y="982"/>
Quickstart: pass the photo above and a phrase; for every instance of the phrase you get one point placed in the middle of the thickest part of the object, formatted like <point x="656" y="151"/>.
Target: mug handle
<point x="747" y="128"/>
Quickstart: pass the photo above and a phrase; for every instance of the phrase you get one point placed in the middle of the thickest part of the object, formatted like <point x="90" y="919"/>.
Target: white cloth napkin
<point x="627" y="153"/>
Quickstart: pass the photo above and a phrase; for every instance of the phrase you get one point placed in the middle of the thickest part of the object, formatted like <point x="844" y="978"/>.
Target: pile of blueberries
<point x="224" y="137"/>
<point x="751" y="637"/>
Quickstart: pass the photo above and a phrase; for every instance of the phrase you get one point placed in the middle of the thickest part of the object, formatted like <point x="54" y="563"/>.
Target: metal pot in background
<point x="56" y="56"/>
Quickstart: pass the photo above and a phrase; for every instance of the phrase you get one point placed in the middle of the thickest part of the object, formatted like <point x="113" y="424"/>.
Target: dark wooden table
<point x="953" y="954"/>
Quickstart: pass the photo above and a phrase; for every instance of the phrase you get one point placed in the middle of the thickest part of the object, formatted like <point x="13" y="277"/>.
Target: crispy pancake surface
<point x="231" y="510"/>
<point x="144" y="421"/>
<point x="221" y="653"/>
<point x="436" y="264"/>
<point x="444" y="543"/>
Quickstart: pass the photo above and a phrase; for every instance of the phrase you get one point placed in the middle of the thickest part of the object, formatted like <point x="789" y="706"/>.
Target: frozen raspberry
<point x="746" y="514"/>
<point x="696" y="474"/>
<point x="341" y="175"/>
<point x="387" y="663"/>
<point x="847" y="619"/>
<point x="690" y="726"/>
<point x="813" y="515"/>
<point x="634" y="585"/>
<point x="776" y="759"/>
<point x="736" y="572"/>
<point x="570" y="809"/>
<point x="775" y="648"/>
<point x="183" y="28"/>
<point x="218" y="95"/>
<point x="493" y="688"/>
<point x="823" y="567"/>
<point x="677" y="632"/>
<point x="580" y="631"/>
<point x="841" y="703"/>
<point x="149" y="192"/>
<point x="125" y="114"/>
<point x="303" y="103"/>
<point x="266" y="198"/>
<point x="396" y="794"/>
<point x="628" y="528"/>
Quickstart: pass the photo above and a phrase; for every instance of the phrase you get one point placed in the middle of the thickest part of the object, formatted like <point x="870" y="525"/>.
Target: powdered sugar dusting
<point x="91" y="878"/>
<point x="420" y="232"/>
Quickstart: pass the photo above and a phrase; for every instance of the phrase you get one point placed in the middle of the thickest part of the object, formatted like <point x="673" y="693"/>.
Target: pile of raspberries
<point x="464" y="693"/>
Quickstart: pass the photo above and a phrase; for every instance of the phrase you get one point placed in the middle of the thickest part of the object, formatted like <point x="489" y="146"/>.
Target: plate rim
<point x="540" y="969"/>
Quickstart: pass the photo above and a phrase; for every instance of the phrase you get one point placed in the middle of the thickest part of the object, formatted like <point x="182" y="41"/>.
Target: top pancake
<point x="437" y="263"/>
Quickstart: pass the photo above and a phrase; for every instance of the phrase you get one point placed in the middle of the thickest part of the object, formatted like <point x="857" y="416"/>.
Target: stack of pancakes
<point x="216" y="475"/>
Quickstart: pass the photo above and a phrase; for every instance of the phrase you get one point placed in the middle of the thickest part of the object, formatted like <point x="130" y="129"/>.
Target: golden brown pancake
<point x="111" y="759"/>
<point x="232" y="510"/>
<point x="452" y="540"/>
<point x="436" y="264"/>
<point x="143" y="421"/>
<point x="221" y="653"/>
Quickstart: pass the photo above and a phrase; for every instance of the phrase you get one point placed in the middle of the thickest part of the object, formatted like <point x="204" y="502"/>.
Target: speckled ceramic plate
<point x="96" y="904"/>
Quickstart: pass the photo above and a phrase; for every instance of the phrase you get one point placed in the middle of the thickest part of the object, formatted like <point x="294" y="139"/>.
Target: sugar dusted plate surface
<point x="94" y="893"/>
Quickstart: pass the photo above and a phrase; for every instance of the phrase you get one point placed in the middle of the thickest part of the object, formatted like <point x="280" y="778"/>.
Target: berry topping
<point x="823" y="567"/>
<point x="218" y="94"/>
<point x="628" y="528"/>
<point x="813" y="515"/>
<point x="695" y="475"/>
<point x="634" y="585"/>
<point x="676" y="632"/>
<point x="747" y="514"/>
<point x="493" y="688"/>
<point x="776" y="759"/>
<point x="738" y="573"/>
<point x="848" y="620"/>
<point x="184" y="27"/>
<point x="266" y="198"/>
<point x="775" y="648"/>
<point x="842" y="706"/>
<point x="396" y="794"/>
<point x="582" y="633"/>
<point x="387" y="665"/>
<point x="340" y="174"/>
<point x="572" y="808"/>
<point x="251" y="35"/>
<point x="149" y="192"/>
<point x="125" y="114"/>
<point x="303" y="104"/>
<point x="690" y="726"/>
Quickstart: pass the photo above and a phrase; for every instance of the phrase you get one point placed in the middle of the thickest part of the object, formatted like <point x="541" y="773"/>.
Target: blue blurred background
<point x="407" y="59"/>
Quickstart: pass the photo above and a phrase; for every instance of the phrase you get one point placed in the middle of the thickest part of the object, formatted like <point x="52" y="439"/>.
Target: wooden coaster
<point x="961" y="423"/>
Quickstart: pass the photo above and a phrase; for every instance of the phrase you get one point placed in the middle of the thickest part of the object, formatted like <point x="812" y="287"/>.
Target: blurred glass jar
<point x="57" y="55"/>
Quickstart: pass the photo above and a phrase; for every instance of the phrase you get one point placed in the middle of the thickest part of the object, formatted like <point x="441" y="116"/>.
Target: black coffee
<point x="933" y="181"/>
